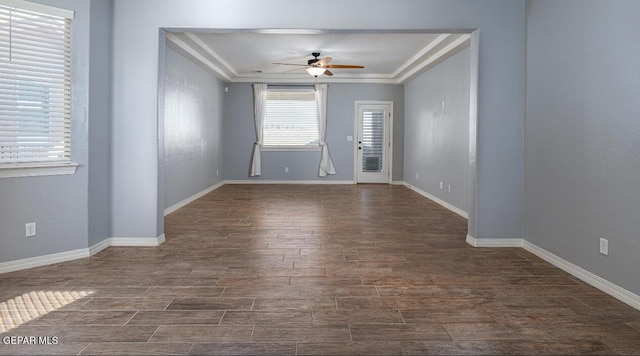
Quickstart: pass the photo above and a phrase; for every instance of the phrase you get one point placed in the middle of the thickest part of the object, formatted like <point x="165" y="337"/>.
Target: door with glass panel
<point x="373" y="143"/>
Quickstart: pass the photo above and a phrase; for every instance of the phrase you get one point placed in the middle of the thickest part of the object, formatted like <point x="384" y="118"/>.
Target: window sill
<point x="36" y="169"/>
<point x="285" y="148"/>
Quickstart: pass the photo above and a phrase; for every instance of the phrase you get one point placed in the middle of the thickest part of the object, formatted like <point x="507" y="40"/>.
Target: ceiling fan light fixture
<point x="316" y="71"/>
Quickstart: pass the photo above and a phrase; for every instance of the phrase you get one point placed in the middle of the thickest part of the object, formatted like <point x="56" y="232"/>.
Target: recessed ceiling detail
<point x="249" y="56"/>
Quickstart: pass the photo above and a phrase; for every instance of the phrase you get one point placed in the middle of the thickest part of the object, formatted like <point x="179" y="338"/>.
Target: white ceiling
<point x="248" y="55"/>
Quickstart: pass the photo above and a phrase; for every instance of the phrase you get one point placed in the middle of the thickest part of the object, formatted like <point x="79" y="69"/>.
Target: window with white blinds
<point x="35" y="84"/>
<point x="291" y="119"/>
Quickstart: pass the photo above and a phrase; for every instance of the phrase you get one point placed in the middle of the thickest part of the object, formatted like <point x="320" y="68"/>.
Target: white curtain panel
<point x="259" y="104"/>
<point x="326" y="166"/>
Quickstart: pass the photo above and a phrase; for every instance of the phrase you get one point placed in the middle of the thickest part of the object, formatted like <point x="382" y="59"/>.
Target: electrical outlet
<point x="30" y="229"/>
<point x="417" y="175"/>
<point x="441" y="185"/>
<point x="604" y="247"/>
<point x="449" y="188"/>
<point x="286" y="169"/>
<point x="217" y="172"/>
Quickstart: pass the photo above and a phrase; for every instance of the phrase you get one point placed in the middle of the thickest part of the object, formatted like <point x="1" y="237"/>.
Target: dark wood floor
<point x="284" y="270"/>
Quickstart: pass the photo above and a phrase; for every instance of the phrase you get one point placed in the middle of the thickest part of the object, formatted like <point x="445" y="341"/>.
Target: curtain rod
<point x="290" y="85"/>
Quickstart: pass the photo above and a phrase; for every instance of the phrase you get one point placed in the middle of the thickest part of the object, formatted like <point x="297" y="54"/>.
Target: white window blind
<point x="291" y="119"/>
<point x="35" y="83"/>
<point x="372" y="140"/>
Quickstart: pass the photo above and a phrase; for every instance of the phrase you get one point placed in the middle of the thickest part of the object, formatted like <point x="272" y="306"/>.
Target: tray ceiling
<point x="248" y="55"/>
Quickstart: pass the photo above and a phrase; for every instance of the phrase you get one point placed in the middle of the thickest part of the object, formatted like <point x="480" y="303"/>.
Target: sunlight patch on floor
<point x="24" y="308"/>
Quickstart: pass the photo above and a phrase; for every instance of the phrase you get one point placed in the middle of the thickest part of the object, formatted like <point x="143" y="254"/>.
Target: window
<point x="291" y="119"/>
<point x="35" y="89"/>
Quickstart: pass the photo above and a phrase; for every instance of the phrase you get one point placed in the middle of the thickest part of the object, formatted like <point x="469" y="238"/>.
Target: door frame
<point x="389" y="157"/>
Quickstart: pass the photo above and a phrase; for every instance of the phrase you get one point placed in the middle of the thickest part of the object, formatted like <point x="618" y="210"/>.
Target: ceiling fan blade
<point x="343" y="66"/>
<point x="323" y="62"/>
<point x="293" y="70"/>
<point x="290" y="64"/>
<point x="328" y="72"/>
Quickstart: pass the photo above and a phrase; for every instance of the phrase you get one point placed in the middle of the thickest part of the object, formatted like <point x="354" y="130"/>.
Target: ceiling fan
<point x="318" y="66"/>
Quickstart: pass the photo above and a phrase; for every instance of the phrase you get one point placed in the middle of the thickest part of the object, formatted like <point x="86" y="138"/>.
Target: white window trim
<point x="37" y="169"/>
<point x="28" y="169"/>
<point x="290" y="148"/>
<point x="50" y="10"/>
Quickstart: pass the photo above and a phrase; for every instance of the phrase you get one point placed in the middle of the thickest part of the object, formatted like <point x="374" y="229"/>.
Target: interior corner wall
<point x="99" y="121"/>
<point x="57" y="204"/>
<point x="581" y="162"/>
<point x="303" y="165"/>
<point x="193" y="129"/>
<point x="437" y="136"/>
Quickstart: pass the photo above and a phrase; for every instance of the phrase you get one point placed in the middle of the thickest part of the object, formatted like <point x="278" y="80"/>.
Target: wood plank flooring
<point x="313" y="270"/>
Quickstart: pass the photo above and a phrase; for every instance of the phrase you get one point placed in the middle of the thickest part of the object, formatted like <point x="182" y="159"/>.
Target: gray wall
<point x="58" y="204"/>
<point x="193" y="129"/>
<point x="437" y="138"/>
<point x="303" y="165"/>
<point x="582" y="137"/>
<point x="99" y="125"/>
<point x="342" y="99"/>
<point x="135" y="168"/>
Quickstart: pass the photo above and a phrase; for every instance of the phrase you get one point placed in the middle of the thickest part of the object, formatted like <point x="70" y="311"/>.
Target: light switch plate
<point x="604" y="247"/>
<point x="30" y="229"/>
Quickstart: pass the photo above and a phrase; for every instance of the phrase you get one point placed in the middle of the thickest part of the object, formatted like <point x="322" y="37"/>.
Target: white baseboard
<point x="137" y="241"/>
<point x="257" y="181"/>
<point x="494" y="242"/>
<point x="45" y="260"/>
<point x="453" y="208"/>
<point x="397" y="182"/>
<point x="190" y="199"/>
<point x="613" y="290"/>
<point x="99" y="246"/>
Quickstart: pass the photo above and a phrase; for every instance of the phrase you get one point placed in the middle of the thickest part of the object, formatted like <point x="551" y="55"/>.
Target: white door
<point x="373" y="143"/>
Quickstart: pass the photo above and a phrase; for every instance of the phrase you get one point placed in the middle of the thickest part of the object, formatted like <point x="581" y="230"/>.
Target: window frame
<point x="11" y="168"/>
<point x="290" y="148"/>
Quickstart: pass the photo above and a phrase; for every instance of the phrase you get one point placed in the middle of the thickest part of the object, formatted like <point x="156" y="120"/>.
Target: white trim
<point x="137" y="241"/>
<point x="99" y="246"/>
<point x="192" y="198"/>
<point x="32" y="170"/>
<point x="171" y="37"/>
<point x="45" y="9"/>
<point x="194" y="37"/>
<point x="613" y="290"/>
<point x="494" y="242"/>
<point x="257" y="181"/>
<point x="39" y="261"/>
<point x="451" y="207"/>
<point x="460" y="41"/>
<point x="301" y="148"/>
<point x="304" y="79"/>
<point x="389" y="129"/>
<point x="397" y="182"/>
<point x="433" y="44"/>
